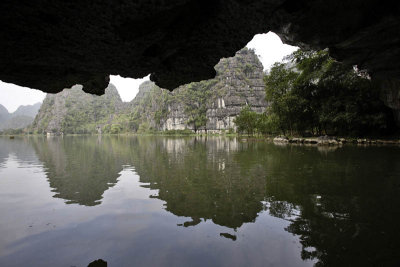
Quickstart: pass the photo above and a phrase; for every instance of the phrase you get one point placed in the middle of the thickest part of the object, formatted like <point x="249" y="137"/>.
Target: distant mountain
<point x="3" y="110"/>
<point x="28" y="110"/>
<point x="20" y="118"/>
<point x="18" y="122"/>
<point x="4" y="115"/>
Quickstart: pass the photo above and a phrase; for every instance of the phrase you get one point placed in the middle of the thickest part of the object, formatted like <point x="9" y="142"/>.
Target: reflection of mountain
<point x="343" y="206"/>
<point x="20" y="118"/>
<point x="198" y="182"/>
<point x="20" y="148"/>
<point x="80" y="169"/>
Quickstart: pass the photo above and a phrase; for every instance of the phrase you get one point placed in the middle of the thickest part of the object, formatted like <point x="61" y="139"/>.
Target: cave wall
<point x="51" y="45"/>
<point x="390" y="95"/>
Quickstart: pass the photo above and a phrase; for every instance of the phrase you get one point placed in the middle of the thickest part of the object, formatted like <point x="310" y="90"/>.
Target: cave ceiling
<point x="50" y="45"/>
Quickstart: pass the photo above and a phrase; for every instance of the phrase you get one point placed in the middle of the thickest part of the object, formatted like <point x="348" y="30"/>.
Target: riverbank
<point x="319" y="141"/>
<point x="334" y="141"/>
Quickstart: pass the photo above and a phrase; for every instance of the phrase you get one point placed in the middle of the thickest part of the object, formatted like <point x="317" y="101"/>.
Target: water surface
<point x="155" y="201"/>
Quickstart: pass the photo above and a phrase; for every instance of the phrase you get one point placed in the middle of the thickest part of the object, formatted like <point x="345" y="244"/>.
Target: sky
<point x="268" y="46"/>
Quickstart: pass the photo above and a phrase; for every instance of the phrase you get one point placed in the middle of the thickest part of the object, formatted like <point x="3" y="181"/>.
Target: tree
<point x="115" y="128"/>
<point x="283" y="103"/>
<point x="267" y="124"/>
<point x="195" y="97"/>
<point x="313" y="93"/>
<point x="246" y="121"/>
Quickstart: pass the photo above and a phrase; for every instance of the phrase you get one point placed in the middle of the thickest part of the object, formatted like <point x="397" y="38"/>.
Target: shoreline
<point x="335" y="141"/>
<point x="280" y="140"/>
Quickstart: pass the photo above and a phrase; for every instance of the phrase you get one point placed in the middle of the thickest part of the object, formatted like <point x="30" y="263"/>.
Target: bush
<point x="116" y="129"/>
<point x="179" y="132"/>
<point x="246" y="121"/>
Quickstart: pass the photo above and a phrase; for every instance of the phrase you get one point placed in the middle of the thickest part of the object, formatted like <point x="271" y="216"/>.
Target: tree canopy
<point x="311" y="93"/>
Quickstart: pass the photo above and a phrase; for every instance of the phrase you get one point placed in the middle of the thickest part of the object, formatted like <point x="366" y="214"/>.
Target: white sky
<point x="12" y="96"/>
<point x="268" y="46"/>
<point x="127" y="87"/>
<point x="270" y="49"/>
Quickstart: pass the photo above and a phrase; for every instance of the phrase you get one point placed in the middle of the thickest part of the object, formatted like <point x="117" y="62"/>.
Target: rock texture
<point x="208" y="105"/>
<point x="239" y="82"/>
<point x="51" y="45"/>
<point x="74" y="111"/>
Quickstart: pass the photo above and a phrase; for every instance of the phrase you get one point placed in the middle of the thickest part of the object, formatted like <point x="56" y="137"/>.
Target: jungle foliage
<point x="312" y="94"/>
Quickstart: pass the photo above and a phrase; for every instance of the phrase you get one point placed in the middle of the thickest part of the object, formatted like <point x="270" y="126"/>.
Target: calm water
<point x="152" y="201"/>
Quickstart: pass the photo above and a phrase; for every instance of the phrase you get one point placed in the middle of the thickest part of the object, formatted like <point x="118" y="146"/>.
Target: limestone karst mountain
<point x="208" y="105"/>
<point x="74" y="111"/>
<point x="4" y="115"/>
<point x="27" y="110"/>
<point x="20" y="118"/>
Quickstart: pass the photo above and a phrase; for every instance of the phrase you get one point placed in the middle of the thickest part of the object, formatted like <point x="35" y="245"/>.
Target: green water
<point x="155" y="201"/>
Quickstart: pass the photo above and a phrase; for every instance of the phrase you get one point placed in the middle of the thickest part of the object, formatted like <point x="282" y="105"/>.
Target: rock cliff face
<point x="240" y="83"/>
<point x="74" y="111"/>
<point x="209" y="105"/>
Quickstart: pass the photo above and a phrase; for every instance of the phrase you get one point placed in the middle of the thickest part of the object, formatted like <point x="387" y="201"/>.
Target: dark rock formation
<point x="229" y="236"/>
<point x="51" y="45"/>
<point x="98" y="263"/>
<point x="390" y="94"/>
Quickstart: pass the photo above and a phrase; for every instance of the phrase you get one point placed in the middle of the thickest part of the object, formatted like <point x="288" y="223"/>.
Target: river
<point x="196" y="201"/>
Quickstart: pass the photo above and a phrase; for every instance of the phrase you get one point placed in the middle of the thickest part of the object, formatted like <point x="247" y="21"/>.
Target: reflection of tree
<point x="357" y="238"/>
<point x="80" y="169"/>
<point x="197" y="180"/>
<point x="347" y="204"/>
<point x="342" y="204"/>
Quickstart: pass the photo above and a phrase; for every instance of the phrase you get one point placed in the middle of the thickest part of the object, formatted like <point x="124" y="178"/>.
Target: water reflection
<point x="198" y="178"/>
<point x="80" y="169"/>
<point x="19" y="148"/>
<point x="342" y="204"/>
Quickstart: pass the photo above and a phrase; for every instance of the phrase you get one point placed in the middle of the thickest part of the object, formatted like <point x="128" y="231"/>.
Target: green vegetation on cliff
<point x="73" y="111"/>
<point x="149" y="110"/>
<point x="205" y="105"/>
<point x="307" y="94"/>
<point x="312" y="94"/>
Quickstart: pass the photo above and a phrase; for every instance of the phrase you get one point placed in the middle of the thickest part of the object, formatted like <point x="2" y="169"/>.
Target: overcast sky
<point x="268" y="46"/>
